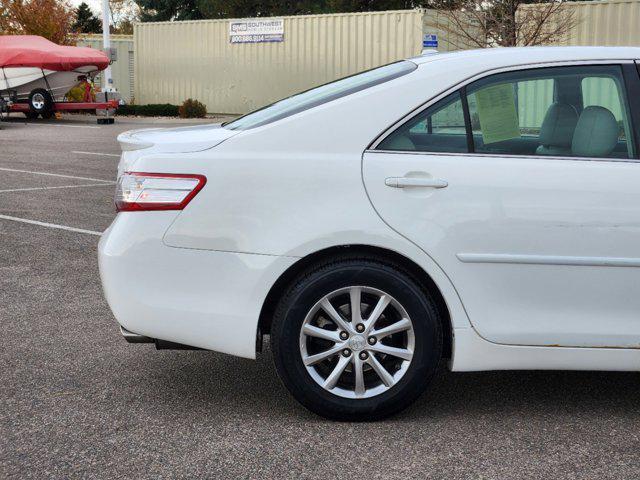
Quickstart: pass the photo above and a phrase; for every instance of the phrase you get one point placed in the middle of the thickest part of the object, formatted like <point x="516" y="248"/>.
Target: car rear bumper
<point x="201" y="298"/>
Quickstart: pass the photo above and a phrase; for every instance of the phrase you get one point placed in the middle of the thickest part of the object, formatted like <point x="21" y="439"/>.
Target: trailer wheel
<point x="30" y="115"/>
<point x="40" y="101"/>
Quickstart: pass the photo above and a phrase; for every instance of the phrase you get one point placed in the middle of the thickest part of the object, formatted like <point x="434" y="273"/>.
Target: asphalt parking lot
<point x="77" y="401"/>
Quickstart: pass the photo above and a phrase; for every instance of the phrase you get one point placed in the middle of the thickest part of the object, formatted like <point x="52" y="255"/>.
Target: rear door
<point x="541" y="242"/>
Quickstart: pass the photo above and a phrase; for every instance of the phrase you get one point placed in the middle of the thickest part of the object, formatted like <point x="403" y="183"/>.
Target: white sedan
<point x="479" y="208"/>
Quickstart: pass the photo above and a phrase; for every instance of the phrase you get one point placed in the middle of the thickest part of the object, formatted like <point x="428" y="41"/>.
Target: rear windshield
<point x="322" y="94"/>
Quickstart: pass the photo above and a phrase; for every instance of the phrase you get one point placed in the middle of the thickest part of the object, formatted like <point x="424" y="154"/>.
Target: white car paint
<point x="201" y="298"/>
<point x="517" y="274"/>
<point x="169" y="140"/>
<point x="282" y="191"/>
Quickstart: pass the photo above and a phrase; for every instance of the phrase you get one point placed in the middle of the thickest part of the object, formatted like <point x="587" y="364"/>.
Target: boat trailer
<point x="70" y="106"/>
<point x="36" y="76"/>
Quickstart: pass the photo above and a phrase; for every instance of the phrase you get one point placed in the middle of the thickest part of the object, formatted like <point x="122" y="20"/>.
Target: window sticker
<point x="497" y="113"/>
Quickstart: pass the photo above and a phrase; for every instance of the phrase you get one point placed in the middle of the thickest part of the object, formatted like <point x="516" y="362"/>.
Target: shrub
<point x="192" y="109"/>
<point x="150" y="110"/>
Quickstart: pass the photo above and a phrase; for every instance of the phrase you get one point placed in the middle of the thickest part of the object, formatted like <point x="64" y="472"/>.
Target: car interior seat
<point x="400" y="142"/>
<point x="596" y="133"/>
<point x="557" y="130"/>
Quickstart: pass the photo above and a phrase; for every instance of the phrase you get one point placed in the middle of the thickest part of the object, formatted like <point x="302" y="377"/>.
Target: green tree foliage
<point x="372" y="5"/>
<point x="258" y="8"/>
<point x="163" y="10"/>
<point x="159" y="10"/>
<point x="86" y="21"/>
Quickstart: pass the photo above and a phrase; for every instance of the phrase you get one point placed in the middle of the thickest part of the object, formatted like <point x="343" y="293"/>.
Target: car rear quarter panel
<point x="295" y="187"/>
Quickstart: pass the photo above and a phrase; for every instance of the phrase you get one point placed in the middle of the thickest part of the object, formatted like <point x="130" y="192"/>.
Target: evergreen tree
<point x="86" y="21"/>
<point x="163" y="10"/>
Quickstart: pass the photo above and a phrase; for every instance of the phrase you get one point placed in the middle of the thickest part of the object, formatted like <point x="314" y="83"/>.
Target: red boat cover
<point x="34" y="51"/>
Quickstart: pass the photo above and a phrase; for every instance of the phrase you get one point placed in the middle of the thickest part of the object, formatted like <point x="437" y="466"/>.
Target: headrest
<point x="596" y="134"/>
<point x="558" y="125"/>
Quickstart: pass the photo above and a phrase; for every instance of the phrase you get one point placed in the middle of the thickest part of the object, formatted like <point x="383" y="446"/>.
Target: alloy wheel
<point x="38" y="101"/>
<point x="357" y="342"/>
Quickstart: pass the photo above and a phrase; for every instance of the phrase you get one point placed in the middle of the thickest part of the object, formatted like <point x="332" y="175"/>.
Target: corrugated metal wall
<point x="614" y="22"/>
<point x="121" y="69"/>
<point x="534" y="98"/>
<point x="434" y="21"/>
<point x="195" y="59"/>
<point x="179" y="60"/>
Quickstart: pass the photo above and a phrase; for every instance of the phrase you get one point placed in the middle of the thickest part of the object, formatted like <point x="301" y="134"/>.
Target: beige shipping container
<point x="450" y="38"/>
<point x="122" y="68"/>
<point x="196" y="59"/>
<point x="610" y="23"/>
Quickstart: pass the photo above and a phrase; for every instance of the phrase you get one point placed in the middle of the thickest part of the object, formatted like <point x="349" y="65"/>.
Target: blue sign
<point x="430" y="40"/>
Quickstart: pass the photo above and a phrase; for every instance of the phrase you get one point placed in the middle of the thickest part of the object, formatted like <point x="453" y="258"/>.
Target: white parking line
<point x="50" y="225"/>
<point x="55" y="175"/>
<point x="53" y="188"/>
<point x="96" y="153"/>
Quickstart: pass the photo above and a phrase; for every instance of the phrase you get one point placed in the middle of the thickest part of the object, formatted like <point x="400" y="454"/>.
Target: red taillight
<point x="141" y="191"/>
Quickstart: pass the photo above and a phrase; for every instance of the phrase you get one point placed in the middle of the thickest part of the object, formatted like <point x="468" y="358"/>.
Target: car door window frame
<point x="630" y="71"/>
<point x="471" y="148"/>
<point x="631" y="78"/>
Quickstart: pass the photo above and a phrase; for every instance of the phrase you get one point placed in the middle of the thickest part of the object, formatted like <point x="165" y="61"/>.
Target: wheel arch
<point x="376" y="253"/>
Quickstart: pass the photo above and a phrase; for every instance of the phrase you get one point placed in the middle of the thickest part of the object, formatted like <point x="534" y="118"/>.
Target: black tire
<point x="47" y="115"/>
<point x="333" y="275"/>
<point x="31" y="115"/>
<point x="40" y="101"/>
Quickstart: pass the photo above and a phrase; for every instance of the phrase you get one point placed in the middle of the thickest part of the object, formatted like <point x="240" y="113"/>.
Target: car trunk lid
<point x="176" y="140"/>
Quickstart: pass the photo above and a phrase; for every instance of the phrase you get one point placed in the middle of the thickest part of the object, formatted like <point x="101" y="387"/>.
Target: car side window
<point x="604" y="92"/>
<point x="518" y="103"/>
<point x="558" y="111"/>
<point x="439" y="128"/>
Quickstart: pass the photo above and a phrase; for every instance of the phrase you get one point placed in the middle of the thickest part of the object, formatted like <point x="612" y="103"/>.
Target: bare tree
<point x="123" y="15"/>
<point x="504" y="23"/>
<point x="544" y="23"/>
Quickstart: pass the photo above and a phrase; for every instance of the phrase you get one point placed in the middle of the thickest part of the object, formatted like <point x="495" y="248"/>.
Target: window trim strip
<point x="471" y="147"/>
<point x="631" y="79"/>
<point x="507" y="156"/>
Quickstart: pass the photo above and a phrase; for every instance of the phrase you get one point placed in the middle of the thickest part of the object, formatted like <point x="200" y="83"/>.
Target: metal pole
<point x="106" y="44"/>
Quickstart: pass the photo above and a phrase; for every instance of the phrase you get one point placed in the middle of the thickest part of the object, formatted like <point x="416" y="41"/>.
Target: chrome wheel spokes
<point x="38" y="101"/>
<point x="357" y="342"/>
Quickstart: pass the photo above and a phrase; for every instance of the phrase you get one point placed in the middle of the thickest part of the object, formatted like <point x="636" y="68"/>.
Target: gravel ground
<point x="77" y="401"/>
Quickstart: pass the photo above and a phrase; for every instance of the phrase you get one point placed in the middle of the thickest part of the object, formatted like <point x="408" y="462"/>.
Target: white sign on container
<point x="256" y="30"/>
